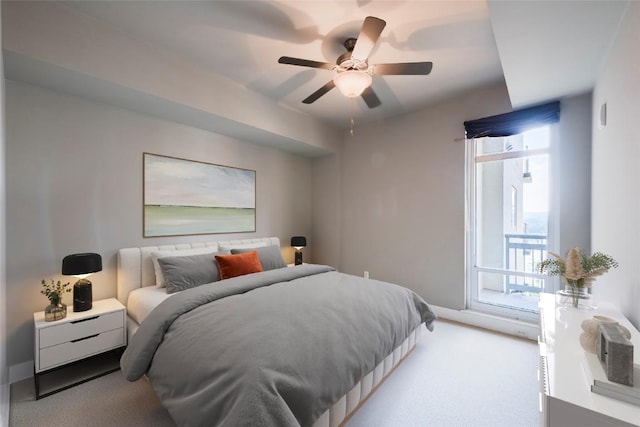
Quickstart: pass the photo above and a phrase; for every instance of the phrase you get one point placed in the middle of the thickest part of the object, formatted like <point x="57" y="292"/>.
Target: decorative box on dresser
<point x="78" y="336"/>
<point x="566" y="399"/>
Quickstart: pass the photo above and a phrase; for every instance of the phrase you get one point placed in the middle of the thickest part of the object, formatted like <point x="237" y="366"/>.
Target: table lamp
<point x="81" y="266"/>
<point x="298" y="242"/>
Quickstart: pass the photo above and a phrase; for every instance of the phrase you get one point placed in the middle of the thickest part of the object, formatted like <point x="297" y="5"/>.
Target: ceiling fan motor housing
<point x="345" y="61"/>
<point x="350" y="43"/>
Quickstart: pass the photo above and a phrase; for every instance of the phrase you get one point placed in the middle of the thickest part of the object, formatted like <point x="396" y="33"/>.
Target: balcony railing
<point x="522" y="253"/>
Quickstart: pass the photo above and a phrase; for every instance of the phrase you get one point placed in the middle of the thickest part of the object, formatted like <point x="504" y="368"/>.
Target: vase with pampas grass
<point x="578" y="272"/>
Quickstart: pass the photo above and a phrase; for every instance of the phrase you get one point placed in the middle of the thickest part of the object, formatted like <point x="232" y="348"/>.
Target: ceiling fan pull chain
<point x="352" y="108"/>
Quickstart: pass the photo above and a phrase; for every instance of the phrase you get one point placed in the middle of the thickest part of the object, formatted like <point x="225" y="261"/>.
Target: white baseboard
<point x="491" y="322"/>
<point x="20" y="371"/>
<point x="5" y="391"/>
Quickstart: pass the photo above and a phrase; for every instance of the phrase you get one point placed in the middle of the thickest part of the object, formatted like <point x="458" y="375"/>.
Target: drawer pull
<point x="85" y="338"/>
<point x="84" y="320"/>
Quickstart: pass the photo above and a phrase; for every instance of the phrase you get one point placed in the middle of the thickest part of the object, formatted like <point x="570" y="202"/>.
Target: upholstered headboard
<point x="135" y="267"/>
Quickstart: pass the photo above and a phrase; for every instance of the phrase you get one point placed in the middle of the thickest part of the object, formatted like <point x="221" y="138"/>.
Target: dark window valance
<point x="514" y="122"/>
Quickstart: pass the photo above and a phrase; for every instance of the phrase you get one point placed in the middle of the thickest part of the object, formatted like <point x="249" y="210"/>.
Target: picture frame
<point x="190" y="197"/>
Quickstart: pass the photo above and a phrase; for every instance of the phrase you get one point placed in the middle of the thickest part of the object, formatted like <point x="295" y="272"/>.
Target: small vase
<point x="574" y="296"/>
<point x="55" y="311"/>
<point x="589" y="338"/>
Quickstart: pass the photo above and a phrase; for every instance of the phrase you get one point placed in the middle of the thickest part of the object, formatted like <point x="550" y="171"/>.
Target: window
<point x="508" y="209"/>
<point x="509" y="189"/>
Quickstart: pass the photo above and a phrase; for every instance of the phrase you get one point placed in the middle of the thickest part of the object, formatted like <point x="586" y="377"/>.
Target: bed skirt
<point x="342" y="410"/>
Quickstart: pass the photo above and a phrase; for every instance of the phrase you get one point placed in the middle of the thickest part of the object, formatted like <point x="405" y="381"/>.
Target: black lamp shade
<point x="298" y="241"/>
<point x="81" y="264"/>
<point x="78" y="264"/>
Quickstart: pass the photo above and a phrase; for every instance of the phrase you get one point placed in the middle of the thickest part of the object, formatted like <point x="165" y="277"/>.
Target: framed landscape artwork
<point x="184" y="197"/>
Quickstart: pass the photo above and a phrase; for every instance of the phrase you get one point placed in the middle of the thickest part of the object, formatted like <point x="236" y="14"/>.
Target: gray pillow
<point x="184" y="272"/>
<point x="270" y="256"/>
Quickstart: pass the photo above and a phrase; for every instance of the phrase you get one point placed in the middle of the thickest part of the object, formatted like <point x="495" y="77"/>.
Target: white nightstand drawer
<point x="83" y="347"/>
<point x="73" y="330"/>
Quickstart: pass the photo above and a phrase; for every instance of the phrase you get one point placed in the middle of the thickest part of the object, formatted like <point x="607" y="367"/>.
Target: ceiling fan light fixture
<point x="352" y="82"/>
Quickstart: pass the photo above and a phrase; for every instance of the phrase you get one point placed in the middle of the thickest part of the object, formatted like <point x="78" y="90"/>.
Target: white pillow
<point x="179" y="252"/>
<point x="244" y="246"/>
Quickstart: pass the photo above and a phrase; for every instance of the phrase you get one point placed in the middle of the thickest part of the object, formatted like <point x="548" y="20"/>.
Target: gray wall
<point x="571" y="174"/>
<point x="74" y="184"/>
<point x="326" y="213"/>
<point x="616" y="171"/>
<point x="4" y="377"/>
<point x="402" y="200"/>
<point x="402" y="194"/>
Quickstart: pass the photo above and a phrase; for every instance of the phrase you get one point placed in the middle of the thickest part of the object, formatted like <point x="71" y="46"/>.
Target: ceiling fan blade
<point x="370" y="98"/>
<point x="406" y="68"/>
<point x="317" y="94"/>
<point x="305" y="63"/>
<point x="369" y="33"/>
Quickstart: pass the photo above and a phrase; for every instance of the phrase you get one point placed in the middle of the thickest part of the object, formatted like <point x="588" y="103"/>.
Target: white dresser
<point x="566" y="399"/>
<point x="78" y="336"/>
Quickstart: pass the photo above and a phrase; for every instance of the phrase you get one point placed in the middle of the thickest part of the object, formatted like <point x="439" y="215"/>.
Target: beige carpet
<point x="456" y="376"/>
<point x="459" y="376"/>
<point x="104" y="402"/>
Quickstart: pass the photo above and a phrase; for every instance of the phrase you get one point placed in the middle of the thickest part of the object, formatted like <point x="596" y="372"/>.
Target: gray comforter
<point x="276" y="348"/>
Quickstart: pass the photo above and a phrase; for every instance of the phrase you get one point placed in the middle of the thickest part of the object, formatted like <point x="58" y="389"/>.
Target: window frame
<point x="471" y="269"/>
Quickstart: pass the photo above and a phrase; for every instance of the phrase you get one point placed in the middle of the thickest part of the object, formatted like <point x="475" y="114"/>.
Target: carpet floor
<point x="456" y="376"/>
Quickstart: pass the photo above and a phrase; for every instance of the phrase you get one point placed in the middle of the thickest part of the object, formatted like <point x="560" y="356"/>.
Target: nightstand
<point x="79" y="336"/>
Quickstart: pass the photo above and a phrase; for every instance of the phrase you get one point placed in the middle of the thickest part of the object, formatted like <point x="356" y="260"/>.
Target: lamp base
<point x="82" y="298"/>
<point x="298" y="258"/>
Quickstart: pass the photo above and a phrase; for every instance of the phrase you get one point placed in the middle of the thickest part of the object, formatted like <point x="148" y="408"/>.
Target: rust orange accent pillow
<point x="239" y="264"/>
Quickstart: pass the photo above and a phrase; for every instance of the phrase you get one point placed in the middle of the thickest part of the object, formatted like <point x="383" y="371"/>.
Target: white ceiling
<point x="548" y="49"/>
<point x="243" y="40"/>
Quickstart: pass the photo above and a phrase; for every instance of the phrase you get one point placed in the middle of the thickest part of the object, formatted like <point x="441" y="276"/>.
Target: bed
<point x="198" y="346"/>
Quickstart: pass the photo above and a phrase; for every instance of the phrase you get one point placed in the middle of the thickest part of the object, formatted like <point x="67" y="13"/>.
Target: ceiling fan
<point x="353" y="72"/>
